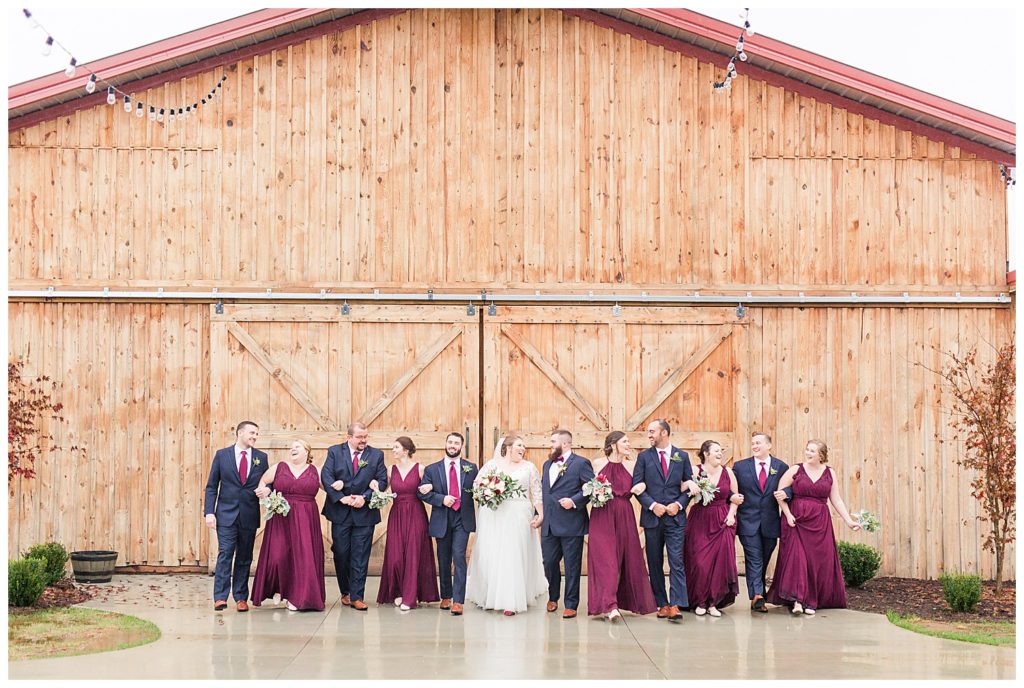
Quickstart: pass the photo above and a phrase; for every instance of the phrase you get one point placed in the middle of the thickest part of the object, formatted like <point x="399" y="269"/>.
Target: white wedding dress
<point x="506" y="570"/>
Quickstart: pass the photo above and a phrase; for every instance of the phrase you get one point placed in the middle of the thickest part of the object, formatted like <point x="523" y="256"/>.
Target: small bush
<point x="54" y="558"/>
<point x="961" y="590"/>
<point x="860" y="563"/>
<point x="26" y="580"/>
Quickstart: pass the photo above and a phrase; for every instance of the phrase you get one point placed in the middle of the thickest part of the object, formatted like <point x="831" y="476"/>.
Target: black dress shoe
<point x="758" y="604"/>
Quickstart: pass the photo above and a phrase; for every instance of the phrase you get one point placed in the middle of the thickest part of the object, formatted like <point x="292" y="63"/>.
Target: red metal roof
<point x="782" y="62"/>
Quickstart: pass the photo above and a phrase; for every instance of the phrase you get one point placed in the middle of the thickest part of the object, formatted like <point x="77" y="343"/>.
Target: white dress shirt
<point x="556" y="467"/>
<point x="448" y="462"/>
<point x="238" y="459"/>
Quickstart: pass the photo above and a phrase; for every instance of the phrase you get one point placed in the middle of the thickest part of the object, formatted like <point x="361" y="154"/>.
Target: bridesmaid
<point x="616" y="573"/>
<point x="807" y="574"/>
<point x="292" y="555"/>
<point x="409" y="574"/>
<point x="709" y="551"/>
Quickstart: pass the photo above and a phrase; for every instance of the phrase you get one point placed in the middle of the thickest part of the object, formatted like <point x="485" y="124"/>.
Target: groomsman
<point x="346" y="477"/>
<point x="233" y="510"/>
<point x="565" y="520"/>
<point x="447" y="486"/>
<point x="667" y="476"/>
<point x="758" y="520"/>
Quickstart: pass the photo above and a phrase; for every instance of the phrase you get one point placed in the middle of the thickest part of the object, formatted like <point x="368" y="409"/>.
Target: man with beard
<point x="447" y="486"/>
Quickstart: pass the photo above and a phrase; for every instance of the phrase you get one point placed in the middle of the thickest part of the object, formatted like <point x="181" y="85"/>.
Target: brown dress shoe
<point x="446" y="603"/>
<point x="674" y="614"/>
<point x="346" y="600"/>
<point x="663" y="612"/>
<point x="552" y="606"/>
<point x="569" y="614"/>
<point x="456" y="609"/>
<point x="359" y="606"/>
<point x="242" y="606"/>
<point x="220" y="605"/>
<point x="757" y="604"/>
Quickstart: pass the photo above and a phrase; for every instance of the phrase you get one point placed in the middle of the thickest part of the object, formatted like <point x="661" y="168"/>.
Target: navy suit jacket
<point x="659" y="488"/>
<point x="434" y="474"/>
<point x="226" y="497"/>
<point x="566" y="522"/>
<point x="339" y="467"/>
<point x="759" y="512"/>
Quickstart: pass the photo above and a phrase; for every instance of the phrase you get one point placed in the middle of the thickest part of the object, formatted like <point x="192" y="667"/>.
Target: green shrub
<point x="54" y="558"/>
<point x="26" y="580"/>
<point x="961" y="590"/>
<point x="860" y="563"/>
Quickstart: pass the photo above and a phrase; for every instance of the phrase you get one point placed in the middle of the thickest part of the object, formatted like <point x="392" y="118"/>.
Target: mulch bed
<point x="63" y="593"/>
<point x="923" y="598"/>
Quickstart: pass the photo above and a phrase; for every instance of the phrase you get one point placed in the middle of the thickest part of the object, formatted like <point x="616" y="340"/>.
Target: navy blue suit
<point x="757" y="519"/>
<point x="238" y="518"/>
<point x="450" y="528"/>
<point x="562" y="530"/>
<point x="668" y="531"/>
<point x="351" y="528"/>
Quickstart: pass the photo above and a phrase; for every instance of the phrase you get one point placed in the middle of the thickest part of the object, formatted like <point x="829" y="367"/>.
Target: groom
<point x="447" y="486"/>
<point x="346" y="477"/>
<point x="565" y="520"/>
<point x="233" y="510"/>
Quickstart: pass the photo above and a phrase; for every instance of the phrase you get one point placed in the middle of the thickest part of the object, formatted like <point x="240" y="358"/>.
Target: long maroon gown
<point x="808" y="569"/>
<point x="292" y="555"/>
<point x="409" y="570"/>
<point x="616" y="573"/>
<point x="709" y="551"/>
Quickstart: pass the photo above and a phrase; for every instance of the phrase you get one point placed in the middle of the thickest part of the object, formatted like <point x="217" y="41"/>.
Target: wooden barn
<point x="491" y="221"/>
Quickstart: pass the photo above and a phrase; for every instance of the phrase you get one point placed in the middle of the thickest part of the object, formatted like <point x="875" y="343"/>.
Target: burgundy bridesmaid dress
<point x="808" y="569"/>
<point x="409" y="570"/>
<point x="292" y="555"/>
<point x="709" y="551"/>
<point x="616" y="573"/>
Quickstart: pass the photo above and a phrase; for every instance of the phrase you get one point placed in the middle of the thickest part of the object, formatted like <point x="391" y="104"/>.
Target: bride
<point x="506" y="570"/>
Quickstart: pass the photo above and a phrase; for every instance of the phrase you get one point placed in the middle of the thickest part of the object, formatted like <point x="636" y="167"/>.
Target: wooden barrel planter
<point x="93" y="566"/>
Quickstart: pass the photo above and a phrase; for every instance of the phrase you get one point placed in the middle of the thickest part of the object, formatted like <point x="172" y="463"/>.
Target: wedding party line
<point x="529" y="525"/>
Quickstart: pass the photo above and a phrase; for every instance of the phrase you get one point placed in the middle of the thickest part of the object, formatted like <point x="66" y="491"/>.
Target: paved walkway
<point x="385" y="643"/>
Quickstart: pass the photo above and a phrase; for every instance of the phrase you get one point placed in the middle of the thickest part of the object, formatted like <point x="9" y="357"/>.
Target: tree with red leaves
<point x="29" y="404"/>
<point x="983" y="417"/>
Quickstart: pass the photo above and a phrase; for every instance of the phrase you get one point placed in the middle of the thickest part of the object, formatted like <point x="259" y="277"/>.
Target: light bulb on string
<point x="48" y="46"/>
<point x="69" y="71"/>
<point x="138" y="110"/>
<point x="170" y="116"/>
<point x="160" y="115"/>
<point x="111" y="98"/>
<point x="181" y="114"/>
<point x="90" y="85"/>
<point x="127" y="104"/>
<point x="152" y="113"/>
<point x="743" y="56"/>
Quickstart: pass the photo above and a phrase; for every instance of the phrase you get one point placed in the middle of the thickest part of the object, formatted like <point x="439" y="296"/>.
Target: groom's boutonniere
<point x="255" y="462"/>
<point x="564" y="467"/>
<point x="362" y="464"/>
<point x="467" y="469"/>
<point x="676" y="458"/>
<point x="772" y="471"/>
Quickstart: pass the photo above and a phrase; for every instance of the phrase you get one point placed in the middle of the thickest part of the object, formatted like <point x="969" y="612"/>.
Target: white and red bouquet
<point x="599" y="489"/>
<point x="492" y="488"/>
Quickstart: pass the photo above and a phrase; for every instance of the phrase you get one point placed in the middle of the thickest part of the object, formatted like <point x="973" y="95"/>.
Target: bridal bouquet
<point x="276" y="504"/>
<point x="707" y="490"/>
<point x="599" y="489"/>
<point x="491" y="489"/>
<point x="868" y="522"/>
<point x="379" y="500"/>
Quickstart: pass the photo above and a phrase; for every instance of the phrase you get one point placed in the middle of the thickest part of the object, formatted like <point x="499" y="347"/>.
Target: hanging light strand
<point x="739" y="56"/>
<point x="93" y="81"/>
<point x="1008" y="177"/>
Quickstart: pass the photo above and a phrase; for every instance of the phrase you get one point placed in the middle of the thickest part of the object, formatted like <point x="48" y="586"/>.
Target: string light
<point x="1007" y="176"/>
<point x="155" y="113"/>
<point x="740" y="54"/>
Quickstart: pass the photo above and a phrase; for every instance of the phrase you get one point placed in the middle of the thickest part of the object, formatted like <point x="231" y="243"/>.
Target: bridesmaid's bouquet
<point x="708" y="490"/>
<point x="491" y="489"/>
<point x="867" y="521"/>
<point x="276" y="504"/>
<point x="599" y="489"/>
<point x="380" y="499"/>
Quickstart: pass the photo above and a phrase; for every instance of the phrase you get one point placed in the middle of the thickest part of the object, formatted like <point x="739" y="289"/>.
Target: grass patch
<point x="68" y="631"/>
<point x="1000" y="633"/>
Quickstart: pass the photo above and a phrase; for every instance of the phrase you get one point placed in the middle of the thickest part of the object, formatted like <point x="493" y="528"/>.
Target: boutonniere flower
<point x="772" y="471"/>
<point x="676" y="458"/>
<point x="467" y="469"/>
<point x="563" y="468"/>
<point x="255" y="462"/>
<point x="362" y="464"/>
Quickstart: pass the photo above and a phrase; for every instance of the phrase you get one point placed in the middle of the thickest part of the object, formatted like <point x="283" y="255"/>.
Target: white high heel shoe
<point x="700" y="611"/>
<point x="713" y="611"/>
<point x="614" y="615"/>
<point x="798" y="608"/>
<point x="398" y="601"/>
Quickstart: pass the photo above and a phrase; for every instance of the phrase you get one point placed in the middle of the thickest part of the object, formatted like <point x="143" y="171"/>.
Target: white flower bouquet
<point x="493" y="488"/>
<point x="867" y="521"/>
<point x="275" y="503"/>
<point x="380" y="499"/>
<point x="599" y="489"/>
<point x="707" y="490"/>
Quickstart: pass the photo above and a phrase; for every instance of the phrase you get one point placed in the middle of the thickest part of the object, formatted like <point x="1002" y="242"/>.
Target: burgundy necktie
<point x="355" y="462"/>
<point x="243" y="468"/>
<point x="453" y="485"/>
<point x="664" y="464"/>
<point x="762" y="478"/>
